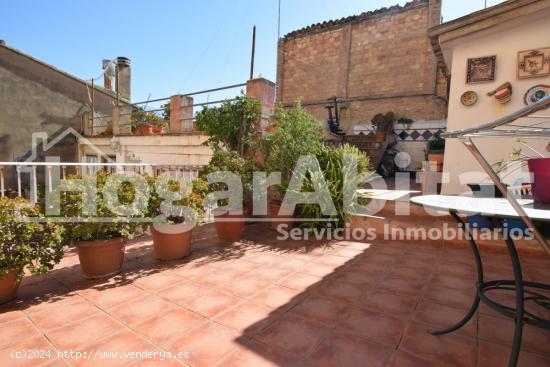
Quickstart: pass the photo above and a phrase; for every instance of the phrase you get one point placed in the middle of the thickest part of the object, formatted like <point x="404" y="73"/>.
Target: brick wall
<point x="377" y="62"/>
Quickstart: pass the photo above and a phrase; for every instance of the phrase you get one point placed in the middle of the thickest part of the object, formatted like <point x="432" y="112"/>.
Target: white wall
<point x="505" y="40"/>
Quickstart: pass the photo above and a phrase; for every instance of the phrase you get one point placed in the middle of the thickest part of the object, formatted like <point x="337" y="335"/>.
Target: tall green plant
<point x="335" y="170"/>
<point x="296" y="133"/>
<point x="231" y="125"/>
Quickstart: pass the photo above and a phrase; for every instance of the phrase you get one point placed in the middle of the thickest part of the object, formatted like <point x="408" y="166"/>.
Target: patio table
<point x="525" y="291"/>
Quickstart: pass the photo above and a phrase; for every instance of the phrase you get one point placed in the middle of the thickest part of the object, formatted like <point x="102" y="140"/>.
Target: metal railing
<point x="60" y="170"/>
<point x="103" y="117"/>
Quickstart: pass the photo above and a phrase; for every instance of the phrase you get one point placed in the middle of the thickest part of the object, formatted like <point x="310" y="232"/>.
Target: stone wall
<point x="37" y="98"/>
<point x="374" y="62"/>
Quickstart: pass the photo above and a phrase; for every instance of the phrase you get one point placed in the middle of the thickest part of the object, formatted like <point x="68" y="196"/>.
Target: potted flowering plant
<point x="172" y="224"/>
<point x="104" y="211"/>
<point x="33" y="245"/>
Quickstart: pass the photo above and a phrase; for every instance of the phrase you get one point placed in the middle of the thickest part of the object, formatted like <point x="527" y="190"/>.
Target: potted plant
<point x="158" y="127"/>
<point x="230" y="223"/>
<point x="31" y="245"/>
<point x="172" y="230"/>
<point x="436" y="150"/>
<point x="100" y="237"/>
<point x="232" y="135"/>
<point x="383" y="124"/>
<point x="143" y="121"/>
<point x="295" y="133"/>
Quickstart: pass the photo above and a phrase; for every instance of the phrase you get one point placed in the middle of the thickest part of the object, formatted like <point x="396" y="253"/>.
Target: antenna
<point x="253" y="52"/>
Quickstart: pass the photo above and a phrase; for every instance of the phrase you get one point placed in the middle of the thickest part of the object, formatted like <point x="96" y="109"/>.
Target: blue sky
<point x="174" y="46"/>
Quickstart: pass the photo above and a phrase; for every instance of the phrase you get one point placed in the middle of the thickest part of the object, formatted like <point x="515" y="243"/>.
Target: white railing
<point x="59" y="169"/>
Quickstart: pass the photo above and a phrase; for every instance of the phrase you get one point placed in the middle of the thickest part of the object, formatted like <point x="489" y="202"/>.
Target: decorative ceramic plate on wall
<point x="468" y="98"/>
<point x="536" y="93"/>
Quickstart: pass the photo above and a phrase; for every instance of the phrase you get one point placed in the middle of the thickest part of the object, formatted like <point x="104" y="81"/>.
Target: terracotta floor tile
<point x="111" y="297"/>
<point x="404" y="359"/>
<point x="218" y="278"/>
<point x="192" y="271"/>
<point x="345" y="350"/>
<point x="300" y="281"/>
<point x="358" y="277"/>
<point x="321" y="309"/>
<point x="320" y="270"/>
<point x="406" y="272"/>
<point x="206" y="344"/>
<point x="491" y="355"/>
<point x="213" y="303"/>
<point x="169" y="325"/>
<point x="453" y="349"/>
<point x="344" y="292"/>
<point x="377" y="327"/>
<point x="364" y="265"/>
<point x="349" y="253"/>
<point x="457" y="269"/>
<point x="278" y="297"/>
<point x="246" y="286"/>
<point x="336" y="261"/>
<point x="392" y="304"/>
<point x="247" y="317"/>
<point x="84" y="332"/>
<point x="294" y="334"/>
<point x="271" y="273"/>
<point x="48" y="354"/>
<point x="157" y="281"/>
<point x="10" y="313"/>
<point x="457" y="298"/>
<point x="16" y="331"/>
<point x="291" y="263"/>
<point x="124" y="342"/>
<point x="53" y="318"/>
<point x="255" y="354"/>
<point x="452" y="281"/>
<point x="401" y="286"/>
<point x="183" y="292"/>
<point x="439" y="317"/>
<point x="501" y="331"/>
<point x="139" y="310"/>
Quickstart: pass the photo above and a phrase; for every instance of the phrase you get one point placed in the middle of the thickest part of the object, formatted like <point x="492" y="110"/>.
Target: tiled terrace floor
<point x="263" y="302"/>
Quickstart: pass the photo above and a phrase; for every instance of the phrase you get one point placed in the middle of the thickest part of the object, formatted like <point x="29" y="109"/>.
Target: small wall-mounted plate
<point x="536" y="93"/>
<point x="468" y="98"/>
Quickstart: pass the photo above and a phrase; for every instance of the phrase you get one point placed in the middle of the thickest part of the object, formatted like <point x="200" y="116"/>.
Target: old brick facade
<point x="378" y="61"/>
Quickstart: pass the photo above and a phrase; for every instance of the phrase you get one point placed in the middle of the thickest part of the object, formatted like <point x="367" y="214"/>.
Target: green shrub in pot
<point x="174" y="208"/>
<point x="120" y="204"/>
<point x="24" y="244"/>
<point x="334" y="170"/>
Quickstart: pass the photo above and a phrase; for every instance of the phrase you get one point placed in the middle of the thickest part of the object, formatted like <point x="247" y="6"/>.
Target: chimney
<point x="123" y="77"/>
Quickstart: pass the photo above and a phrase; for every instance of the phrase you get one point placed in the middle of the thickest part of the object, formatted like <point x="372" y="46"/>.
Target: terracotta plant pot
<point x="540" y="168"/>
<point x="436" y="161"/>
<point x="144" y="129"/>
<point x="229" y="227"/>
<point x="157" y="130"/>
<point x="101" y="259"/>
<point x="274" y="208"/>
<point x="8" y="286"/>
<point x="171" y="241"/>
